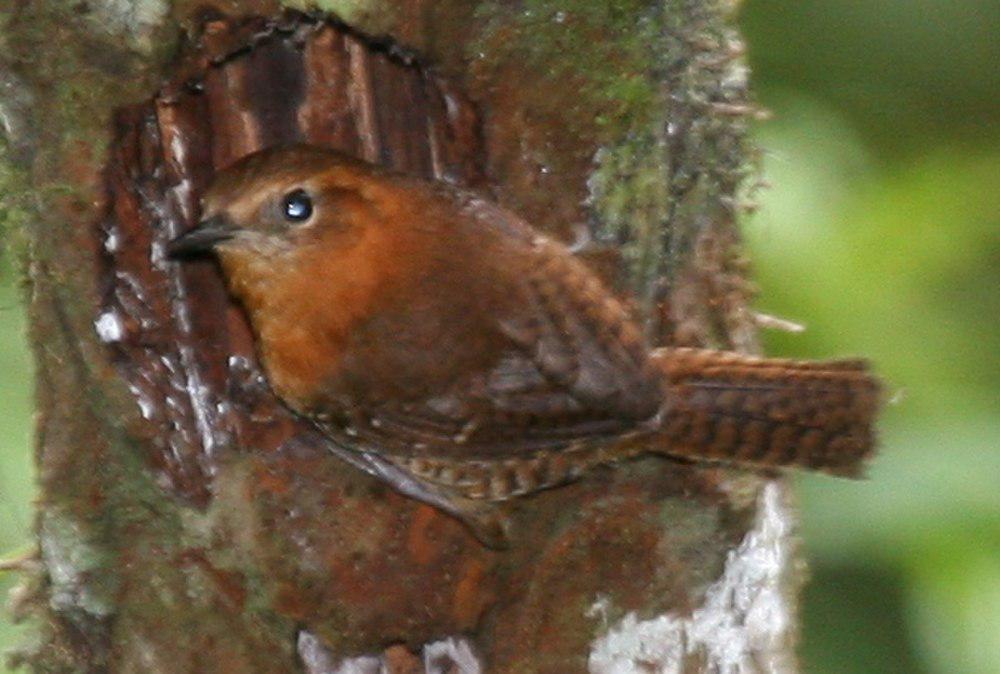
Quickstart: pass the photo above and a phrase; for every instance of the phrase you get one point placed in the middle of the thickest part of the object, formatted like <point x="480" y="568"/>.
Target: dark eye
<point x="297" y="206"/>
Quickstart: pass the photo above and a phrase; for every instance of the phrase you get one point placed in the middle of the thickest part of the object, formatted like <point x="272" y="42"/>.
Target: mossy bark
<point x="625" y="121"/>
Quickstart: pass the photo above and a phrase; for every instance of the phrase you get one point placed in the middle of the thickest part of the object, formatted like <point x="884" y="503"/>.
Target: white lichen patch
<point x="73" y="563"/>
<point x="112" y="242"/>
<point x="109" y="327"/>
<point x="744" y="625"/>
<point x="453" y="655"/>
<point x="135" y="21"/>
<point x="316" y="659"/>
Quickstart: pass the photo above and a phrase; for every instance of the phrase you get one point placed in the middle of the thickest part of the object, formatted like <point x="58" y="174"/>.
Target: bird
<point x="479" y="359"/>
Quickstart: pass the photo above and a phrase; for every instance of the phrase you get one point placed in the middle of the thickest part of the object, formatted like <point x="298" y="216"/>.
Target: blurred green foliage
<point x="16" y="409"/>
<point x="880" y="232"/>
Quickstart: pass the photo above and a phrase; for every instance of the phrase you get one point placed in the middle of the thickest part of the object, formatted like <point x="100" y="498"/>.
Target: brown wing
<point x="573" y="368"/>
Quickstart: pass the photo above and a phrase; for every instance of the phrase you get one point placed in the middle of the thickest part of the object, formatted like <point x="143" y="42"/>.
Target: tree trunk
<point x="189" y="523"/>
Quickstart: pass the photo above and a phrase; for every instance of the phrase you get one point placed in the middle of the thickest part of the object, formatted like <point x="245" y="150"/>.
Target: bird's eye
<point x="297" y="206"/>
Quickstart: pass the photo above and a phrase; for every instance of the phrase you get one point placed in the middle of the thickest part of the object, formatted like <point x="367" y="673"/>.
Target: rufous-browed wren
<point x="432" y="327"/>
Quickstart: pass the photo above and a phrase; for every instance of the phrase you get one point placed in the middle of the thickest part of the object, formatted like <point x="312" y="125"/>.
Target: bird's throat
<point x="302" y="312"/>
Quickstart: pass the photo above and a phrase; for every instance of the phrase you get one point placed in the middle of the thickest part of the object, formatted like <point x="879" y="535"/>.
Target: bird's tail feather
<point x="728" y="407"/>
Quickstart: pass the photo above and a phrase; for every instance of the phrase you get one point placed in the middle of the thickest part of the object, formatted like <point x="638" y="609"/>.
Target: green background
<point x="880" y="233"/>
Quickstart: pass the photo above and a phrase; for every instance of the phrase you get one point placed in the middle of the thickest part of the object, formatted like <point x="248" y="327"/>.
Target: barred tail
<point x="770" y="412"/>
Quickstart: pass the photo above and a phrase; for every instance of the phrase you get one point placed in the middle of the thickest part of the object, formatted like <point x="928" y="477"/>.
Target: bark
<point x="189" y="523"/>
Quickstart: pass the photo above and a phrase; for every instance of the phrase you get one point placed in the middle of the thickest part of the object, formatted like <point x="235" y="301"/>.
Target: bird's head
<point x="280" y="200"/>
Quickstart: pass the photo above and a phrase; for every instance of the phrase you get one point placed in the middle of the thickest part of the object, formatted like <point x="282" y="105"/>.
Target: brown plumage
<point x="428" y="325"/>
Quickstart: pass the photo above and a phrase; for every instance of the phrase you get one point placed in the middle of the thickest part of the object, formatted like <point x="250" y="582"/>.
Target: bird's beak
<point x="202" y="238"/>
